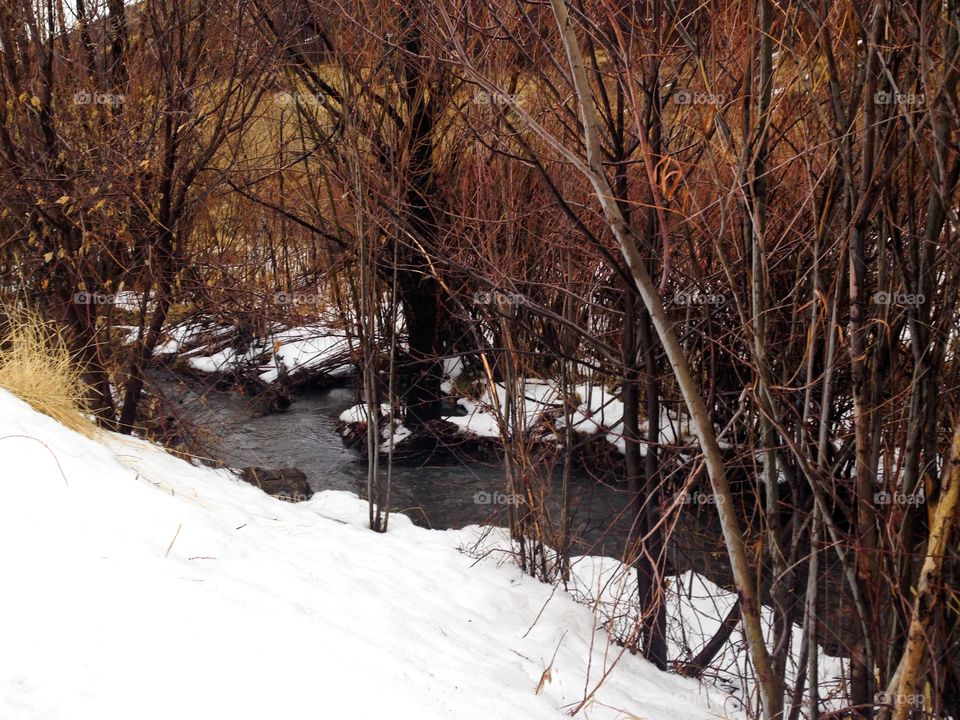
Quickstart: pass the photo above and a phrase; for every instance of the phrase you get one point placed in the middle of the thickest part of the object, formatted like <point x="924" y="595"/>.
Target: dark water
<point x="436" y="496"/>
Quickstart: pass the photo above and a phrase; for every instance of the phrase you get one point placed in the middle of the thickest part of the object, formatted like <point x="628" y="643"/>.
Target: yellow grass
<point x="37" y="366"/>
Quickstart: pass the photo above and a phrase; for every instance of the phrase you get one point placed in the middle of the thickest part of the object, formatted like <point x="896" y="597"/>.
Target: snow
<point x="216" y="362"/>
<point x="485" y="416"/>
<point x="176" y="337"/>
<point x="291" y="350"/>
<point x="130" y="300"/>
<point x="358" y="413"/>
<point x="453" y="367"/>
<point x="304" y="348"/>
<point x="479" y="420"/>
<point x="695" y="609"/>
<point x="139" y="585"/>
<point x="393" y="437"/>
<point x="130" y="333"/>
<point x="600" y="411"/>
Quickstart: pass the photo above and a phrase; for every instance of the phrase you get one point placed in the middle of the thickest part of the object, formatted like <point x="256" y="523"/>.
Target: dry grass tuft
<point x="36" y="365"/>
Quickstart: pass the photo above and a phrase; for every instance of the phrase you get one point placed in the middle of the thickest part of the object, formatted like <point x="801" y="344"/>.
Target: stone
<point x="287" y="483"/>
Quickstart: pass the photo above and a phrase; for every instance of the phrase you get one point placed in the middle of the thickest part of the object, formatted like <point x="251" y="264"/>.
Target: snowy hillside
<point x="136" y="585"/>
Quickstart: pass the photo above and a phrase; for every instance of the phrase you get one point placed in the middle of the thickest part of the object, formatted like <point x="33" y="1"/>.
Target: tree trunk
<point x="906" y="685"/>
<point x="418" y="285"/>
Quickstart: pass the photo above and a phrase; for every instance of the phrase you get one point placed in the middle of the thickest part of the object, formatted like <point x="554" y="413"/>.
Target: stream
<point x="435" y="496"/>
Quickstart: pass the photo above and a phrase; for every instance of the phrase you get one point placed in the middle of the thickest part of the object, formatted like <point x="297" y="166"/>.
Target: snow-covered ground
<point x="136" y="585"/>
<point x="695" y="609"/>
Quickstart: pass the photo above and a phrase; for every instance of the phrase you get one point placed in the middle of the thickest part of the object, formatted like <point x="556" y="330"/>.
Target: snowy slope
<point x="135" y="585"/>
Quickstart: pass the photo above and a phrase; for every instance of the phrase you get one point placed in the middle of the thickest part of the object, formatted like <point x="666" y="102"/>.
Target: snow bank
<point x="483" y="418"/>
<point x="601" y="411"/>
<point x="177" y="337"/>
<point x="138" y="585"/>
<point x="695" y="610"/>
<point x="306" y="348"/>
<point x="288" y="351"/>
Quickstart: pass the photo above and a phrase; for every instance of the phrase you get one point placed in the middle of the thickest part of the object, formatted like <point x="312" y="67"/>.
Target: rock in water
<point x="288" y="483"/>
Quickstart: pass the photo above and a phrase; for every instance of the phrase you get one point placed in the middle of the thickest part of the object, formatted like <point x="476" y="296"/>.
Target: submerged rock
<point x="287" y="483"/>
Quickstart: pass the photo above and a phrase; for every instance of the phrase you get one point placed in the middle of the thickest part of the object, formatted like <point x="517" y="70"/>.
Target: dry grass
<point x="37" y="366"/>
